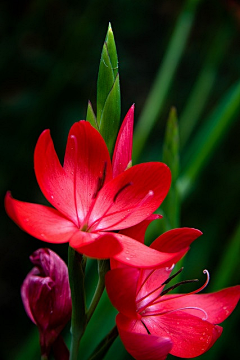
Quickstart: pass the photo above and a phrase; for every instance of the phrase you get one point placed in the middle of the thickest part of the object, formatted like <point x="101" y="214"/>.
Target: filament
<point x="159" y="287"/>
<point x="159" y="299"/>
<point x="105" y="215"/>
<point x="179" y="309"/>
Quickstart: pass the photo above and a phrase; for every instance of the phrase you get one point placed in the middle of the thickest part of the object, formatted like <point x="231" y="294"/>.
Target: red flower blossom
<point x="90" y="203"/>
<point x="47" y="299"/>
<point x="152" y="323"/>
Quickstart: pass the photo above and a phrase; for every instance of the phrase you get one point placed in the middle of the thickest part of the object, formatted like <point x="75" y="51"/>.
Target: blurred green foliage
<point x="49" y="62"/>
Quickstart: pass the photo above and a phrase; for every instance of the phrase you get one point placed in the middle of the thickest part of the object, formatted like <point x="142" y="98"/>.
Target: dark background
<point x="49" y="57"/>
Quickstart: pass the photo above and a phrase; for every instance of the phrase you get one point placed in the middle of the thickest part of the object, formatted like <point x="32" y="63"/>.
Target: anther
<point x="172" y="277"/>
<point x="120" y="190"/>
<point x="146" y="328"/>
<point x="101" y="180"/>
<point x="176" y="285"/>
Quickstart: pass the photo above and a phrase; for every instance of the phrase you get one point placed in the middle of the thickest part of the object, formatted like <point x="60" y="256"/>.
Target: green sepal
<point x="91" y="117"/>
<point x="171" y="205"/>
<point x="108" y="92"/>
<point x="110" y="118"/>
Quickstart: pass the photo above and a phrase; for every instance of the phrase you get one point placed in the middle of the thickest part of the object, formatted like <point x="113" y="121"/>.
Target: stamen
<point x="179" y="309"/>
<point x="159" y="299"/>
<point x="193" y="292"/>
<point x="144" y="282"/>
<point x="173" y="276"/>
<point x="204" y="285"/>
<point x="164" y="283"/>
<point x="101" y="180"/>
<point x="121" y="190"/>
<point x="164" y="292"/>
<point x="149" y="194"/>
<point x="105" y="215"/>
<point x="146" y="328"/>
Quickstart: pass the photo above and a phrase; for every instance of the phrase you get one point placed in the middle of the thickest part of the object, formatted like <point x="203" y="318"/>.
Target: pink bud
<point x="46" y="296"/>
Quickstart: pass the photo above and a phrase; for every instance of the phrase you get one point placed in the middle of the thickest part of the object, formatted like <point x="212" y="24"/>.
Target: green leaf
<point x="91" y="117"/>
<point x="110" y="118"/>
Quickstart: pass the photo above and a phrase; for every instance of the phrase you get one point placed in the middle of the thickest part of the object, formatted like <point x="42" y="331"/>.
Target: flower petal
<point x="121" y="286"/>
<point x="131" y="197"/>
<point x="54" y="182"/>
<point x="122" y="155"/>
<point x="191" y="336"/>
<point x="87" y="163"/>
<point x="98" y="246"/>
<point x="176" y="240"/>
<point x="40" y="221"/>
<point x="214" y="307"/>
<point x="143" y="346"/>
<point x="138" y="231"/>
<point x="136" y="254"/>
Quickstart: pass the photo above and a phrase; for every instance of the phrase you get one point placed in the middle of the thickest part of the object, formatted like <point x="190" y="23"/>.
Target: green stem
<point x="76" y="269"/>
<point x="103" y="347"/>
<point x="103" y="267"/>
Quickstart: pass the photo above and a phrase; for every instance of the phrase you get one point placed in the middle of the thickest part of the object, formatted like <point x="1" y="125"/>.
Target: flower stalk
<point x="103" y="267"/>
<point x="76" y="270"/>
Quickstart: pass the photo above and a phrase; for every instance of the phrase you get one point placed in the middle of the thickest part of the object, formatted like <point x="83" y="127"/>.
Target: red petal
<point x="175" y="240"/>
<point x="190" y="335"/>
<point x="217" y="306"/>
<point x="138" y="231"/>
<point x="121" y="286"/>
<point x="131" y="197"/>
<point x="139" y="255"/>
<point x="122" y="155"/>
<point x="98" y="246"/>
<point x="87" y="163"/>
<point x="40" y="221"/>
<point x="54" y="182"/>
<point x="140" y="345"/>
<point x="25" y="295"/>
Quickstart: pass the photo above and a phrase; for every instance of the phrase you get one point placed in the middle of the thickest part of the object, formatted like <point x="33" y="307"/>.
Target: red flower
<point x="46" y="298"/>
<point x="90" y="203"/>
<point x="152" y="323"/>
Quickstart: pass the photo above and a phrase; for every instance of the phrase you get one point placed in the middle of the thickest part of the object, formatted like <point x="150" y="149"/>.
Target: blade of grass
<point x="209" y="136"/>
<point x="164" y="76"/>
<point x="204" y="83"/>
<point x="228" y="264"/>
